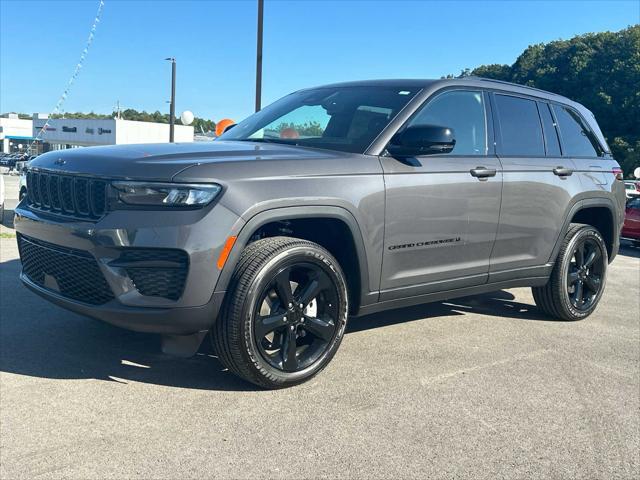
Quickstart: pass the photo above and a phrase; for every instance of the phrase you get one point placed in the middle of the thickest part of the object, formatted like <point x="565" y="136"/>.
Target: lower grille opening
<point x="69" y="272"/>
<point x="156" y="272"/>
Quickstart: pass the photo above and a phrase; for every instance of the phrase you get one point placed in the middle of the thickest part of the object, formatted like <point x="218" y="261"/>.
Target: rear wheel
<point x="578" y="277"/>
<point x="285" y="314"/>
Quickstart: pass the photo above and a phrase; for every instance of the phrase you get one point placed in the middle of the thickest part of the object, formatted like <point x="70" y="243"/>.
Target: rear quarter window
<point x="577" y="138"/>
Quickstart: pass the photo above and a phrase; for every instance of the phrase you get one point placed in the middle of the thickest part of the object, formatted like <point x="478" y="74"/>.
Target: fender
<point x="582" y="204"/>
<point x="310" y="211"/>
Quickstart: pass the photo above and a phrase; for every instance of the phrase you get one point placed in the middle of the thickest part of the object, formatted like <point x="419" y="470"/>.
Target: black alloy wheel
<point x="578" y="277"/>
<point x="285" y="312"/>
<point x="584" y="276"/>
<point x="297" y="317"/>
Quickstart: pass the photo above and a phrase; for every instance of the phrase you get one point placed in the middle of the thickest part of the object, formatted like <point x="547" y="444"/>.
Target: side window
<point x="520" y="126"/>
<point x="550" y="132"/>
<point x="462" y="111"/>
<point x="577" y="138"/>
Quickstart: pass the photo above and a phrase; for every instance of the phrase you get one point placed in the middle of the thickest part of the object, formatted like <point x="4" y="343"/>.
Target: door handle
<point x="482" y="172"/>
<point x="562" y="171"/>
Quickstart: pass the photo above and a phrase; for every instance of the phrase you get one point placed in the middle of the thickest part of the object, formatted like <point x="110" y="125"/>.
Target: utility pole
<point x="172" y="107"/>
<point x="259" y="57"/>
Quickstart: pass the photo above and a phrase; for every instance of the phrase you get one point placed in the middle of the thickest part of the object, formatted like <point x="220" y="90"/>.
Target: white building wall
<point x="77" y="131"/>
<point x="91" y="132"/>
<point x="14" y="127"/>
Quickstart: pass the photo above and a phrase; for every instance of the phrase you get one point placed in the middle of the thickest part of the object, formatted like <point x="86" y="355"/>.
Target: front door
<point x="440" y="219"/>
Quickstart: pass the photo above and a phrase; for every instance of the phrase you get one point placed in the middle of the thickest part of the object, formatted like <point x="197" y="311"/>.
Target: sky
<point x="306" y="43"/>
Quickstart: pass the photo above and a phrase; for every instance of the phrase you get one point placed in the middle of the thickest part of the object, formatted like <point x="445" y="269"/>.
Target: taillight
<point x="617" y="172"/>
<point x="637" y="186"/>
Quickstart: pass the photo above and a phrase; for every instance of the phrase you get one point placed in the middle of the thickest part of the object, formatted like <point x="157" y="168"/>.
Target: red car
<point x="631" y="227"/>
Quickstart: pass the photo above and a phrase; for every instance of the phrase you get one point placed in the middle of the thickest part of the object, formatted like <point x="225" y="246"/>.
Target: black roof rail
<point x="504" y="82"/>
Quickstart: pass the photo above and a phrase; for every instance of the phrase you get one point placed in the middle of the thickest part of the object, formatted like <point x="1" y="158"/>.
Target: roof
<point x="476" y="81"/>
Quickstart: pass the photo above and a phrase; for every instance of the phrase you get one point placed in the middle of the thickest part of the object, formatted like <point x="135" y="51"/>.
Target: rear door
<point x="581" y="145"/>
<point x="440" y="220"/>
<point x="539" y="184"/>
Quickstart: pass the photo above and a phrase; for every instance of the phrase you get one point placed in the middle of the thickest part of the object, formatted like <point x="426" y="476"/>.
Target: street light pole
<point x="259" y="57"/>
<point x="172" y="107"/>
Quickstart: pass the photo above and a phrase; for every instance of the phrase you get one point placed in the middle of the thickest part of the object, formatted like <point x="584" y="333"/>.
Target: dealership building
<point x="15" y="133"/>
<point x="62" y="133"/>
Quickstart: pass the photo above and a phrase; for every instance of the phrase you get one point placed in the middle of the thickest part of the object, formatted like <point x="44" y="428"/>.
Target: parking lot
<point x="482" y="387"/>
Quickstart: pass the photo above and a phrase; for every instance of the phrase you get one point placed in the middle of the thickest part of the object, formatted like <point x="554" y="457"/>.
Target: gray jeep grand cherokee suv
<point x="333" y="201"/>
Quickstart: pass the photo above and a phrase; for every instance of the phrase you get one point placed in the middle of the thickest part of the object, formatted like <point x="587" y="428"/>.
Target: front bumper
<point x="199" y="233"/>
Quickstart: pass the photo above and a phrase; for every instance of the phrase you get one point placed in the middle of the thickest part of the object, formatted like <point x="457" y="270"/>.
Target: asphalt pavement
<point x="479" y="387"/>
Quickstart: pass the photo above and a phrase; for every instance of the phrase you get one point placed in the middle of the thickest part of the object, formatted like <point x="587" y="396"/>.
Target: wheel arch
<point x="334" y="228"/>
<point x="599" y="213"/>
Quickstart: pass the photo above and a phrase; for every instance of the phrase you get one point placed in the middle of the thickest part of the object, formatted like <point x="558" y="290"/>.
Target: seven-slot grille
<point x="71" y="273"/>
<point x="67" y="195"/>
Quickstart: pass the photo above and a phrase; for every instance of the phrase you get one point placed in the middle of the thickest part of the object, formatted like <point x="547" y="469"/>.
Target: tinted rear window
<point x="577" y="138"/>
<point x="521" y="131"/>
<point x="550" y="132"/>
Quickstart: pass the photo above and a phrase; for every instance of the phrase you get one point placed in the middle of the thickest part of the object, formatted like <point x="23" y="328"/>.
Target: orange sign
<point x="222" y="125"/>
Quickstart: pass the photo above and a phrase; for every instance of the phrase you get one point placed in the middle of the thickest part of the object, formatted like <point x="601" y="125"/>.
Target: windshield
<point x="346" y="119"/>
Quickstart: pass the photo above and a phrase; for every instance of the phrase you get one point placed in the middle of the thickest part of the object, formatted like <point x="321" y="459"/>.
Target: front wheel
<point x="285" y="313"/>
<point x="578" y="277"/>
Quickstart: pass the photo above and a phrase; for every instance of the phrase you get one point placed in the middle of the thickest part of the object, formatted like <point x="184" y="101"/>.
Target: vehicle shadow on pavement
<point x="498" y="304"/>
<point x="40" y="340"/>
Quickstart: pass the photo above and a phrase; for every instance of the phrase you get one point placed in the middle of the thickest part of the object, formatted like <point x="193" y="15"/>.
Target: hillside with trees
<point x="599" y="70"/>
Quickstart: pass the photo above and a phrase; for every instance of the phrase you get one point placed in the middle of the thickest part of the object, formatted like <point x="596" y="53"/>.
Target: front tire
<point x="578" y="277"/>
<point x="285" y="313"/>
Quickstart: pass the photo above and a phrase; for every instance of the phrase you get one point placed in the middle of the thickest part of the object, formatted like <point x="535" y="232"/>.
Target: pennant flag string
<point x="76" y="71"/>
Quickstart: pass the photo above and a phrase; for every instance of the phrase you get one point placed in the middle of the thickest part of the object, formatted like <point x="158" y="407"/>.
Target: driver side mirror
<point x="422" y="140"/>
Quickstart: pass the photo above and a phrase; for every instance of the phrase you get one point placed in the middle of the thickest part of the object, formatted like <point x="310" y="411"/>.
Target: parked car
<point x="11" y="160"/>
<point x="632" y="188"/>
<point x="340" y="200"/>
<point x="2" y="198"/>
<point x="7" y="160"/>
<point x="22" y="185"/>
<point x="631" y="226"/>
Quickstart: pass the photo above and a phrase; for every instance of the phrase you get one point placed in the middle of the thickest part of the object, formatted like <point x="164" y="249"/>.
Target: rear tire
<point x="578" y="277"/>
<point x="284" y="315"/>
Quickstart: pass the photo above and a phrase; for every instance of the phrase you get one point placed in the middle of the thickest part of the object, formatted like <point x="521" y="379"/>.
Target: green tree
<point x="599" y="70"/>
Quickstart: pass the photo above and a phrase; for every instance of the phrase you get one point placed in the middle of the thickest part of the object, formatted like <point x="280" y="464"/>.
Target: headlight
<point x="166" y="194"/>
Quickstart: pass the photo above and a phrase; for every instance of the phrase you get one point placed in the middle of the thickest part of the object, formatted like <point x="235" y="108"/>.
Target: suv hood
<point x="163" y="161"/>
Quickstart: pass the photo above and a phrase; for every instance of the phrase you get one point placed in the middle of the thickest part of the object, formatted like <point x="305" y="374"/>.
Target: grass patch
<point x="7" y="235"/>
